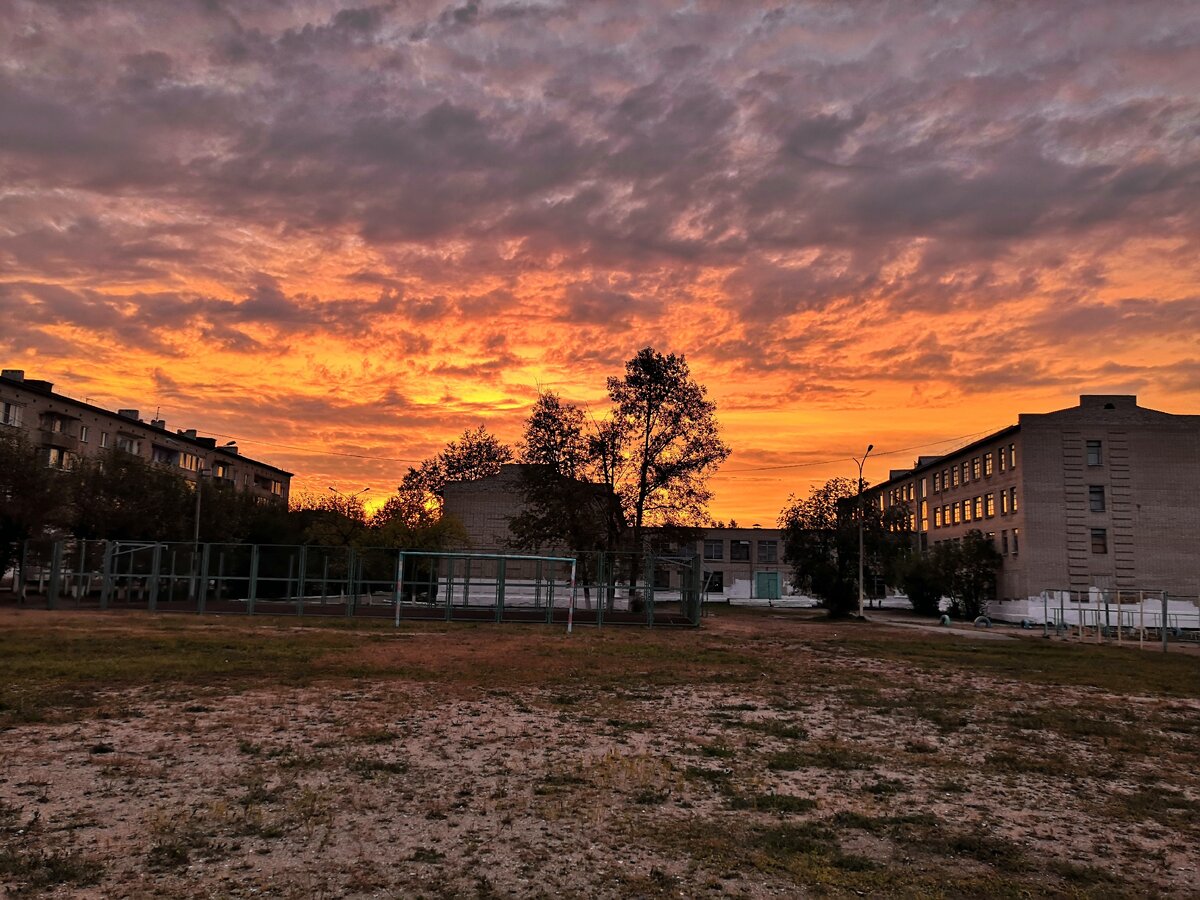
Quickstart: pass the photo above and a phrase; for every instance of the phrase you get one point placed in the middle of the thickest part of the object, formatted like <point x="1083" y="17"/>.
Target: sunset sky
<point x="345" y="234"/>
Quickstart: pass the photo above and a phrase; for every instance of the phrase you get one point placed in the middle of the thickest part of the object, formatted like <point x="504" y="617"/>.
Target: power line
<point x="829" y="462"/>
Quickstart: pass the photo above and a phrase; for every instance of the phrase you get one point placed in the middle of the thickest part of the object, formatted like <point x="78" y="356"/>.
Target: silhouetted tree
<point x="476" y="454"/>
<point x="820" y="540"/>
<point x="970" y="568"/>
<point x="33" y="497"/>
<point x="662" y="442"/>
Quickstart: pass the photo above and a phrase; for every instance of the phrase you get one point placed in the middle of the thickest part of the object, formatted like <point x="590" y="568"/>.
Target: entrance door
<point x="766" y="585"/>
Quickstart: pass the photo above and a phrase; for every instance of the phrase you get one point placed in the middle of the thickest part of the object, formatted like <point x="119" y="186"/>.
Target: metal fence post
<point x="398" y="587"/>
<point x="106" y="577"/>
<point x="155" y="565"/>
<point x="252" y="591"/>
<point x="1164" y="621"/>
<point x="501" y="572"/>
<point x="202" y="582"/>
<point x="303" y="573"/>
<point x="55" y="575"/>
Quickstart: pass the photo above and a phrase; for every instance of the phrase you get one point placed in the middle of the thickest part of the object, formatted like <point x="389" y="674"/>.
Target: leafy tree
<point x="662" y="442"/>
<point x="332" y="520"/>
<point x="820" y="540"/>
<point x="970" y="566"/>
<point x="33" y="497"/>
<point x="121" y="496"/>
<point x="476" y="454"/>
<point x="923" y="578"/>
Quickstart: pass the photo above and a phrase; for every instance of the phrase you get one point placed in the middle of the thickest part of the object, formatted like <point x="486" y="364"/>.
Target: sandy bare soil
<point x="832" y="768"/>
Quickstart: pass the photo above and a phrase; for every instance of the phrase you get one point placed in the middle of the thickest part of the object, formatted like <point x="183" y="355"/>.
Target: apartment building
<point x="1103" y="495"/>
<point x="65" y="429"/>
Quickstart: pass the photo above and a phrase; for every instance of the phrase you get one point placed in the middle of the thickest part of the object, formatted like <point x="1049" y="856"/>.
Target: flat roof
<point x="941" y="460"/>
<point x="175" y="435"/>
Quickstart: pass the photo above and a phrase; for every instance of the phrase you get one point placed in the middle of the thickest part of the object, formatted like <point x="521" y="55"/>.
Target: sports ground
<point x="767" y="753"/>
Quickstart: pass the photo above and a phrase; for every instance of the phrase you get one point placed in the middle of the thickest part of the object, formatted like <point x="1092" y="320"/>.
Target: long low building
<point x="738" y="563"/>
<point x="1099" y="497"/>
<point x="64" y="430"/>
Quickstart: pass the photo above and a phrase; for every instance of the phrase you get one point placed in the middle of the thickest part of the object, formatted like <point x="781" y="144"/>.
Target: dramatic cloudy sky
<point x="341" y="232"/>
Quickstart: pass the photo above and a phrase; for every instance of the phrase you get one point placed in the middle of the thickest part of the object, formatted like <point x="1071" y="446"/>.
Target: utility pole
<point x="200" y="473"/>
<point x="861" y="516"/>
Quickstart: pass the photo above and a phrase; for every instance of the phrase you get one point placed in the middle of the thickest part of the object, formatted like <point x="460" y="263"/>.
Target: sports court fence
<point x="264" y="579"/>
<point x="1119" y="615"/>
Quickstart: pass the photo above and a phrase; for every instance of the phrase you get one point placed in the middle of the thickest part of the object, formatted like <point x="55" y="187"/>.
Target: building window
<point x="128" y="445"/>
<point x="954" y="477"/>
<point x="83" y="434"/>
<point x="1001" y="459"/>
<point x="59" y="459"/>
<point x="1096" y="497"/>
<point x="966" y="510"/>
<point x="1016" y="541"/>
<point x="966" y="471"/>
<point x="937" y="482"/>
<point x="662" y="578"/>
<point x="977" y="508"/>
<point x="1094" y="457"/>
<point x="221" y="470"/>
<point x="277" y="488"/>
<point x="976" y="469"/>
<point x="991" y="537"/>
<point x="1012" y="456"/>
<point x="768" y="552"/>
<point x="1099" y="540"/>
<point x="1004" y="543"/>
<point x="712" y="549"/>
<point x="189" y="461"/>
<point x="739" y="551"/>
<point x="987" y="465"/>
<point x="937" y="517"/>
<point x="1012" y="499"/>
<point x="104" y="439"/>
<point x="10" y="414"/>
<point x="715" y="582"/>
<point x="162" y="455"/>
<point x="924" y="515"/>
<point x="989" y="505"/>
<point x="957" y="510"/>
<point x="1004" y="503"/>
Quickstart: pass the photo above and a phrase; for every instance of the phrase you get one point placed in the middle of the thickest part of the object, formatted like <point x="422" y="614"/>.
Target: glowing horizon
<point x="364" y="230"/>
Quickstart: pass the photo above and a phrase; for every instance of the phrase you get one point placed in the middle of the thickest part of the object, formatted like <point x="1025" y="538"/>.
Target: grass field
<point x="764" y="754"/>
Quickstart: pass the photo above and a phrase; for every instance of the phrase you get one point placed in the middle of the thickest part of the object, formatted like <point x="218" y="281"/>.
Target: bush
<point x="924" y="581"/>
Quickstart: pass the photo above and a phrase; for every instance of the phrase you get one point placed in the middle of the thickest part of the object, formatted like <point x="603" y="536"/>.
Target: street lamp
<point x="861" y="516"/>
<point x="200" y="473"/>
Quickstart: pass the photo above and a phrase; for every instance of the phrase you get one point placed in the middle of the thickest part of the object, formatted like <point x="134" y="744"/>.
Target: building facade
<point x="738" y="563"/>
<point x="1104" y="495"/>
<point x="64" y="430"/>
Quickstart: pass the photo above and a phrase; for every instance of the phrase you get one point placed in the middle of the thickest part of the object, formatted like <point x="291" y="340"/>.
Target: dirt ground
<point x="765" y="754"/>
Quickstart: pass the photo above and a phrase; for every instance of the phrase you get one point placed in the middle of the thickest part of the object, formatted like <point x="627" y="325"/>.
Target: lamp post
<point x="861" y="516"/>
<point x="200" y="473"/>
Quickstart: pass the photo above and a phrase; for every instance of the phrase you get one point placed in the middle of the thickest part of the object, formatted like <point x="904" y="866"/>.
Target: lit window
<point x="989" y="505"/>
<point x="987" y="464"/>
<point x="957" y="508"/>
<point x="1012" y="456"/>
<point x="954" y="476"/>
<point x="977" y="508"/>
<point x="1096" y="497"/>
<point x="937" y="482"/>
<point x="1012" y="499"/>
<point x="1000" y="457"/>
<point x="712" y="549"/>
<point x="1016" y="541"/>
<point x="937" y="517"/>
<point x="966" y="510"/>
<point x="976" y="469"/>
<point x="1094" y="457"/>
<point x="189" y="461"/>
<point x="1099" y="541"/>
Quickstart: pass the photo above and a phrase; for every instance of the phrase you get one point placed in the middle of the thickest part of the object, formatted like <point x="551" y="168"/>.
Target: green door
<point x="766" y="585"/>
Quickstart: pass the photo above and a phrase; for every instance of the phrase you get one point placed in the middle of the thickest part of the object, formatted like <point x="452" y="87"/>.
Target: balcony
<point x="59" y="439"/>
